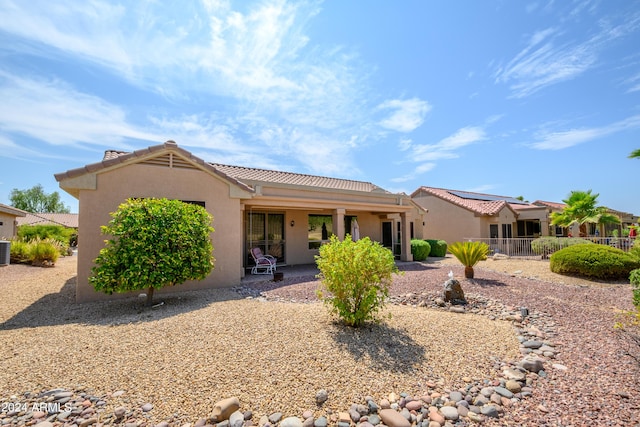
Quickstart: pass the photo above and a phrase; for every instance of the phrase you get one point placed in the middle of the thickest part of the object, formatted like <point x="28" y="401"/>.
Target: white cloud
<point x="51" y="111"/>
<point x="405" y="144"/>
<point x="407" y="115"/>
<point x="445" y="148"/>
<point x="564" y="139"/>
<point x="423" y="168"/>
<point x="547" y="59"/>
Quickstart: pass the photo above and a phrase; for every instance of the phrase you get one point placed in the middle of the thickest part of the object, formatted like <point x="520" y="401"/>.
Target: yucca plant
<point x="469" y="254"/>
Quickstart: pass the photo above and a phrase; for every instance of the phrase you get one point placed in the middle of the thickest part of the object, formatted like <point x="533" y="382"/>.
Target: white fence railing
<point x="541" y="248"/>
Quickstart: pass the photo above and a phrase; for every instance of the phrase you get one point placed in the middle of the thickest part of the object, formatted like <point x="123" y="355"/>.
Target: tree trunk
<point x="149" y="297"/>
<point x="468" y="272"/>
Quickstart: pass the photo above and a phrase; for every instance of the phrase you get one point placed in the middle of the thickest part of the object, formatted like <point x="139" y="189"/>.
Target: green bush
<point x="44" y="251"/>
<point x="635" y="250"/>
<point x="634" y="278"/>
<point x="355" y="278"/>
<point x="547" y="245"/>
<point x="56" y="232"/>
<point x="20" y="252"/>
<point x="420" y="249"/>
<point x="598" y="261"/>
<point x="154" y="243"/>
<point x="438" y="247"/>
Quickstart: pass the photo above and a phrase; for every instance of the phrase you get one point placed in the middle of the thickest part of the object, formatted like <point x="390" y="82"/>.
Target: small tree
<point x="469" y="254"/>
<point x="581" y="208"/>
<point x="357" y="277"/>
<point x="155" y="243"/>
<point x="35" y="200"/>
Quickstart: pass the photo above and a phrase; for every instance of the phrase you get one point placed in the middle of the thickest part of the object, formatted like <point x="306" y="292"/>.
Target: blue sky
<point x="514" y="98"/>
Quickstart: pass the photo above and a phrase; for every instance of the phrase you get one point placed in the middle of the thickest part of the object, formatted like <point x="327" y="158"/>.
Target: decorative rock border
<point x="439" y="406"/>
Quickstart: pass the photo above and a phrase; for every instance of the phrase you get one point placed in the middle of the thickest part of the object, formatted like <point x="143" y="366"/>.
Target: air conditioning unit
<point x="5" y="252"/>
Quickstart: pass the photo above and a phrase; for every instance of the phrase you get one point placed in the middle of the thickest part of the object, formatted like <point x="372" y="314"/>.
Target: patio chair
<point x="264" y="264"/>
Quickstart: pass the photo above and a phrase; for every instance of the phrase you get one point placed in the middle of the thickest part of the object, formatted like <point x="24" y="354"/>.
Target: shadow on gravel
<point x="487" y="283"/>
<point x="61" y="309"/>
<point x="416" y="266"/>
<point x="388" y="348"/>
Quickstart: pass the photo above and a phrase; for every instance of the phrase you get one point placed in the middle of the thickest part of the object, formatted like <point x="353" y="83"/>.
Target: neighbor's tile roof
<point x="481" y="207"/>
<point x="69" y="220"/>
<point x="552" y="205"/>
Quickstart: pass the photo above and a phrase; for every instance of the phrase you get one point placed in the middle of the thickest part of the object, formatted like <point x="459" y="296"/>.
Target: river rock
<point x="224" y="408"/>
<point x="393" y="418"/>
<point x="453" y="292"/>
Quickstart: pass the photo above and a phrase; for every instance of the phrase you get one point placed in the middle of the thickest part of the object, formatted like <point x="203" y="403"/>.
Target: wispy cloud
<point x="298" y="101"/>
<point x="447" y="148"/>
<point x="51" y="111"/>
<point x="552" y="56"/>
<point x="406" y="115"/>
<point x="559" y="140"/>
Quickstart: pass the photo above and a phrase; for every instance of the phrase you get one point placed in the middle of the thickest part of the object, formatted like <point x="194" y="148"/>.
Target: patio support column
<point x="338" y="223"/>
<point x="544" y="227"/>
<point x="405" y="233"/>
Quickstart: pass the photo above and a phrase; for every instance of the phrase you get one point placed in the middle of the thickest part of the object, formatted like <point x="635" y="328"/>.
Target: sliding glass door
<point x="265" y="230"/>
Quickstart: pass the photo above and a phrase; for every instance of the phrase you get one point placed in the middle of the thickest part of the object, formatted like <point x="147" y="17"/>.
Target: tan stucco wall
<point x="114" y="187"/>
<point x="448" y="222"/>
<point x="8" y="228"/>
<point x="297" y="237"/>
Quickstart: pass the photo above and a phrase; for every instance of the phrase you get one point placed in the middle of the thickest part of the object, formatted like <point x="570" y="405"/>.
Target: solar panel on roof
<point x="486" y="197"/>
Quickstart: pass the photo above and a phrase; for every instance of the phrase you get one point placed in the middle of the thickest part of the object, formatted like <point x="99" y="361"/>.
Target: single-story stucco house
<point x="456" y="215"/>
<point x="9" y="221"/>
<point x="287" y="215"/>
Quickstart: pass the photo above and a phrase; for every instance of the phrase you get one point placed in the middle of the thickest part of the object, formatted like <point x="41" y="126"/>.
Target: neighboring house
<point x="286" y="214"/>
<point x="8" y="221"/>
<point x="626" y="220"/>
<point x="456" y="215"/>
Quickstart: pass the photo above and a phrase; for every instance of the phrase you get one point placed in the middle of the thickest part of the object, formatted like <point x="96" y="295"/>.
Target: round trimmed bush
<point x="420" y="249"/>
<point x="438" y="247"/>
<point x="598" y="261"/>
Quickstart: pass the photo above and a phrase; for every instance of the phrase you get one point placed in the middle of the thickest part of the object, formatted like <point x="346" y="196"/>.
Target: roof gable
<point x="10" y="210"/>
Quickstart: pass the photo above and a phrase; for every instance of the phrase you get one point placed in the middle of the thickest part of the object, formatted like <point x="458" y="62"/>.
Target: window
<point x="506" y="231"/>
<point x="320" y="230"/>
<point x="528" y="228"/>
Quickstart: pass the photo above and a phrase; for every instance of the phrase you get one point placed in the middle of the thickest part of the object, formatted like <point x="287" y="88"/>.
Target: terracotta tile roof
<point x="12" y="211"/>
<point x="243" y="176"/>
<point x="479" y="203"/>
<point x="552" y="205"/>
<point x="69" y="220"/>
<point x="253" y="175"/>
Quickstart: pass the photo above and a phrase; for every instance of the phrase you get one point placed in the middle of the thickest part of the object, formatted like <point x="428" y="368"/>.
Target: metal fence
<point x="543" y="247"/>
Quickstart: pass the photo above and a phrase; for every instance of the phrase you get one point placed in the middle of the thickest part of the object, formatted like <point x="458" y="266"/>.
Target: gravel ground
<point x="201" y="347"/>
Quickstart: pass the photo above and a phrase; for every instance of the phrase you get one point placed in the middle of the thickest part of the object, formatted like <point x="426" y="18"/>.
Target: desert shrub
<point x="420" y="249"/>
<point x="355" y="278"/>
<point x="438" y="247"/>
<point x="547" y="245"/>
<point x="634" y="278"/>
<point x="153" y="243"/>
<point x="44" y="251"/>
<point x="20" y="252"/>
<point x="469" y="254"/>
<point x="598" y="261"/>
<point x="635" y="250"/>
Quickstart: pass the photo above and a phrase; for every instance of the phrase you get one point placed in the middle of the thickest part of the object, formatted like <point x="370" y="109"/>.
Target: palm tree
<point x="469" y="254"/>
<point x="635" y="154"/>
<point x="581" y="208"/>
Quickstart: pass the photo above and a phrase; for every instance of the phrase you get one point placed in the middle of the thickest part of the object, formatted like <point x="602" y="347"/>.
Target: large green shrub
<point x="355" y="278"/>
<point x="547" y="245"/>
<point x="420" y="249"/>
<point x="469" y="254"/>
<point x="438" y="247"/>
<point x="154" y="243"/>
<point x="56" y="232"/>
<point x="598" y="261"/>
